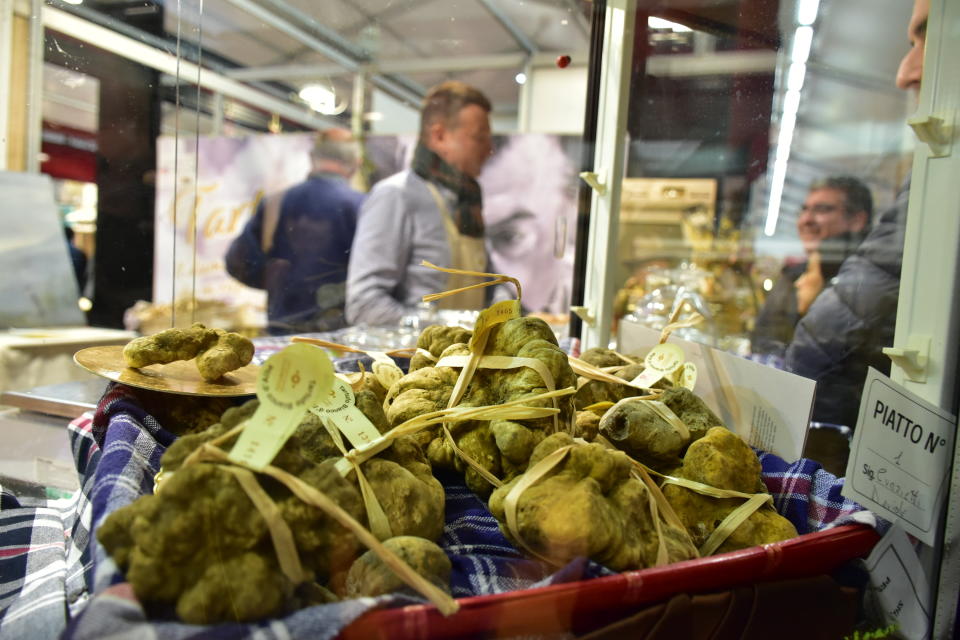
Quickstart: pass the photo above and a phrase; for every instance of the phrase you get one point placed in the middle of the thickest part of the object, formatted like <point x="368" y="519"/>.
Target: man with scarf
<point x="431" y="211"/>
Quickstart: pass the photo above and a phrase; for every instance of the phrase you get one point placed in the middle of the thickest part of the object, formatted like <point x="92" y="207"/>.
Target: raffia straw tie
<point x="512" y="501"/>
<point x="662" y="410"/>
<point x="753" y="502"/>
<point x="510" y="362"/>
<point x="733" y="520"/>
<point x="405" y="352"/>
<point x="283" y="543"/>
<point x="377" y="519"/>
<point x="426" y="354"/>
<point x="587" y="370"/>
<point x="514" y="410"/>
<point x="498" y="278"/>
<point x="316" y="498"/>
<point x="691" y="322"/>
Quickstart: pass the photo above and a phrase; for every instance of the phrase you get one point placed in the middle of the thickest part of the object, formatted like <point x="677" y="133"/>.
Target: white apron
<point x="467" y="253"/>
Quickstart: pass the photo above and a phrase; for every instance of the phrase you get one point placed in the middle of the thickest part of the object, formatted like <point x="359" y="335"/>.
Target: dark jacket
<point x="848" y="324"/>
<point x="304" y="270"/>
<point x="778" y="318"/>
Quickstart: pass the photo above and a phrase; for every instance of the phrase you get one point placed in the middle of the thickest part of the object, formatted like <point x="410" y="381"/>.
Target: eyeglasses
<point x="821" y="208"/>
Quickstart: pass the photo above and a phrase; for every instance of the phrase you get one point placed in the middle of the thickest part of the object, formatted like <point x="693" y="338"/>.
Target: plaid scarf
<point x="468" y="213"/>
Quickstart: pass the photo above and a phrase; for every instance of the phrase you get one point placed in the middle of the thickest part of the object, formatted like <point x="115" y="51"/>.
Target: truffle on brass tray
<point x="502" y="447"/>
<point x="590" y="505"/>
<point x="722" y="460"/>
<point x="369" y="576"/>
<point x="216" y="351"/>
<point x="168" y="346"/>
<point x="230" y="351"/>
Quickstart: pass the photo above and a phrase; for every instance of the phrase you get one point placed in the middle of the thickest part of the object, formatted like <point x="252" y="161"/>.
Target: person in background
<point x="297" y="244"/>
<point x="78" y="259"/>
<point x="833" y="221"/>
<point x="431" y="211"/>
<point x="847" y="326"/>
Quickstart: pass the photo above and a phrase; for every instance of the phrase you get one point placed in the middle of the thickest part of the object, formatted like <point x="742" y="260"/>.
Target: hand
<point x="809" y="284"/>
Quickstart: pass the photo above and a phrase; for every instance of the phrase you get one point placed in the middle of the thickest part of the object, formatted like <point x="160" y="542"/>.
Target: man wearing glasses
<point x="832" y="223"/>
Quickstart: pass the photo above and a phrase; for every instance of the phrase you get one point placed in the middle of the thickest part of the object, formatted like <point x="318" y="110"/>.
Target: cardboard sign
<point x="898" y="586"/>
<point x="768" y="408"/>
<point x="290" y="382"/>
<point x="900" y="457"/>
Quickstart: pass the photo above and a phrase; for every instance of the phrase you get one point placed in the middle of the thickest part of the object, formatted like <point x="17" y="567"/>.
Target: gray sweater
<point x="399" y="225"/>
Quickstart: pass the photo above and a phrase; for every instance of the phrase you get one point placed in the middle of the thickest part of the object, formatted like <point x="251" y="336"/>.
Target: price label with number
<point x="289" y="383"/>
<point x="493" y="315"/>
<point x="338" y="408"/>
<point x="661" y="361"/>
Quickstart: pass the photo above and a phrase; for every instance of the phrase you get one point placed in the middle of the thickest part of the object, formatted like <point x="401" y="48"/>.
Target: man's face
<point x="467" y="144"/>
<point x="824" y="215"/>
<point x="911" y="67"/>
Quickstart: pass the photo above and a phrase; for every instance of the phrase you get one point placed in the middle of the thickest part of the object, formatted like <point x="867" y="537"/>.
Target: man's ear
<point x="436" y="134"/>
<point x="858" y="221"/>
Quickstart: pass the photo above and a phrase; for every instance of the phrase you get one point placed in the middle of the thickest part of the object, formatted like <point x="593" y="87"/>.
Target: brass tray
<point x="177" y="377"/>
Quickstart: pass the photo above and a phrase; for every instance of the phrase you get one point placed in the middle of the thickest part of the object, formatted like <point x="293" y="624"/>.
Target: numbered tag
<point x="338" y="409"/>
<point x="688" y="375"/>
<point x="289" y="383"/>
<point x="661" y="361"/>
<point x="385" y="370"/>
<point x="493" y="315"/>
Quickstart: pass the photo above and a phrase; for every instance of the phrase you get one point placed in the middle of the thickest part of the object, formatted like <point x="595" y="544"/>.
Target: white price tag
<point x="899" y="586"/>
<point x="900" y="457"/>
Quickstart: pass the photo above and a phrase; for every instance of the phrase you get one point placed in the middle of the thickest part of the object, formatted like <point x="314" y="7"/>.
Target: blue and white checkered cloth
<point x="57" y="580"/>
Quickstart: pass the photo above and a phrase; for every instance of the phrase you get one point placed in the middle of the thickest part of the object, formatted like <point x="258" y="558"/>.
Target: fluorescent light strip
<point x="807" y="12"/>
<point x="802" y="40"/>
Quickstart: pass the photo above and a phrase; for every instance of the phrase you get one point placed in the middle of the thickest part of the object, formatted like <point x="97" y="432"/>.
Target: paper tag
<point x="385" y="369"/>
<point x="900" y="457"/>
<point x="688" y="378"/>
<point x="289" y="383"/>
<point x="899" y="586"/>
<point x="493" y="315"/>
<point x="662" y="360"/>
<point x="338" y="409"/>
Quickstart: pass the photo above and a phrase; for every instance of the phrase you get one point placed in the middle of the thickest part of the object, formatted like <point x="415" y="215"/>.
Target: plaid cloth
<point x="55" y="579"/>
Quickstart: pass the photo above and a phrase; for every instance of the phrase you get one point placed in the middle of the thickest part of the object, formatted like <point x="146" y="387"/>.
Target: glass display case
<point x="650" y="161"/>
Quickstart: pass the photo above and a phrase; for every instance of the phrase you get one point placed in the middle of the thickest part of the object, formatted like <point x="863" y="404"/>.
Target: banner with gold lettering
<point x="207" y="189"/>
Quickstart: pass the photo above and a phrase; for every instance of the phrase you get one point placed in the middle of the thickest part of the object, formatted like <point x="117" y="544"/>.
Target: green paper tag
<point x="290" y="382"/>
<point x="493" y="315"/>
<point x="661" y="361"/>
<point x="688" y="377"/>
<point x="337" y="409"/>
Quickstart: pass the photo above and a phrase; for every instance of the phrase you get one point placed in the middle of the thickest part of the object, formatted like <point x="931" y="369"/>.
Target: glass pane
<point x="165" y="125"/>
<point x="761" y="134"/>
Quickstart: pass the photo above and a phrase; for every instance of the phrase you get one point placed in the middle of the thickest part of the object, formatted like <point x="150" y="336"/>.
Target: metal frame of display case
<point x="928" y="317"/>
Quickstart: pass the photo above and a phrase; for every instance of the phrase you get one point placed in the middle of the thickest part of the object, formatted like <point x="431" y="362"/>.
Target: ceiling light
<point x="521" y="78"/>
<point x="660" y="23"/>
<point x="320" y="98"/>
